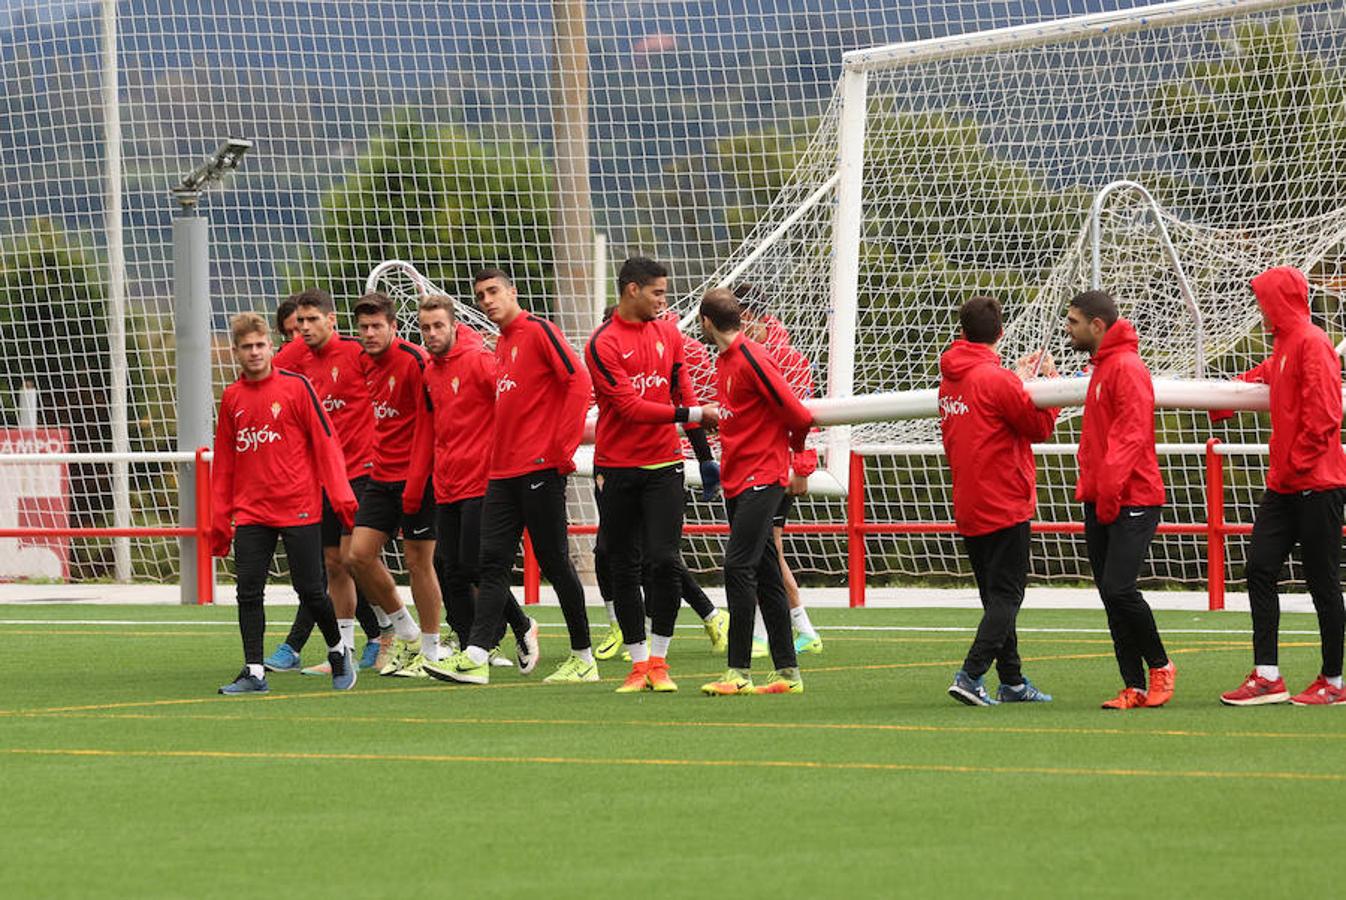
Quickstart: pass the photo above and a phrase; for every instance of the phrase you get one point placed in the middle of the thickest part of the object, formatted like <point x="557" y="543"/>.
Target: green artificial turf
<point x="125" y="776"/>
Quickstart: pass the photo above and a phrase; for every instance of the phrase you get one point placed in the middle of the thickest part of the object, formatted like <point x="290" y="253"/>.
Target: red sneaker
<point x="657" y="675"/>
<point x="1256" y="691"/>
<point x="1161" y="685"/>
<point x="638" y="680"/>
<point x="1320" y="693"/>
<point x="1127" y="698"/>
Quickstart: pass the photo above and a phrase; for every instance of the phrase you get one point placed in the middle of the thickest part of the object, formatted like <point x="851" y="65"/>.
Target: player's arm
<point x="326" y="454"/>
<point x="566" y="367"/>
<point x="1020" y="414"/>
<point x="1320" y="403"/>
<point x="222" y="480"/>
<point x="422" y="456"/>
<point x="1133" y="401"/>
<point x="1258" y="374"/>
<point x="775" y="392"/>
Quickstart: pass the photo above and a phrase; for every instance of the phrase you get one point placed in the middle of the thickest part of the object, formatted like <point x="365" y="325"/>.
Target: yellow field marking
<point x="914" y="768"/>
<point x="879" y="727"/>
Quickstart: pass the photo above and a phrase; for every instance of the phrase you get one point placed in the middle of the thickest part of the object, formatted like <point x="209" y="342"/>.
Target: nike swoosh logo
<point x="627" y="354"/>
<point x="1139" y="512"/>
<point x="761" y="487"/>
<point x="533" y="487"/>
<point x="417" y="532"/>
<point x="239" y="413"/>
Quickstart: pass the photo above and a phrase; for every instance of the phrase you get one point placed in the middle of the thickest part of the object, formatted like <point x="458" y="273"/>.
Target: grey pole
<point x="191" y="313"/>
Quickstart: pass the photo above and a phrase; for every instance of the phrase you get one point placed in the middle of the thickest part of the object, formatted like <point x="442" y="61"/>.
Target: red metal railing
<point x="856" y="529"/>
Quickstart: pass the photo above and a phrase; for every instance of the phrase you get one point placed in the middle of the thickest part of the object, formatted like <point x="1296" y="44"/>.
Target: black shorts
<point x="381" y="510"/>
<point x="332" y="529"/>
<point x="787" y="503"/>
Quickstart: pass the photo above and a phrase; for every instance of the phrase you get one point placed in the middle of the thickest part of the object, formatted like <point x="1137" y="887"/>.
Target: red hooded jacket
<point x="455" y="439"/>
<point x="797" y="372"/>
<point x="339" y="372"/>
<point x="1304" y="374"/>
<point x="761" y="420"/>
<point x="989" y="424"/>
<point x="1118" y="464"/>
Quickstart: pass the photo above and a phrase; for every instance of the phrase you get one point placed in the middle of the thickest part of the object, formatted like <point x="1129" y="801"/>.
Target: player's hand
<point x="346" y="513"/>
<point x="710" y="480"/>
<point x="710" y="415"/>
<point x="799" y="484"/>
<point x="1048" y="367"/>
<point x="1027" y="367"/>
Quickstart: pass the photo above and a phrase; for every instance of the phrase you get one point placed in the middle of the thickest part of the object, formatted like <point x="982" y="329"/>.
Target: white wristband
<point x="693" y="414"/>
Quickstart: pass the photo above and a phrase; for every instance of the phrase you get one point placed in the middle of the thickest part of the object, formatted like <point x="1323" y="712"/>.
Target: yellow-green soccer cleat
<point x="612" y="642"/>
<point x="459" y="668"/>
<point x="401" y="654"/>
<point x="806" y="644"/>
<point x="734" y="682"/>
<point x="415" y="668"/>
<point x="573" y="670"/>
<point x="717" y="629"/>
<point x="783" y="681"/>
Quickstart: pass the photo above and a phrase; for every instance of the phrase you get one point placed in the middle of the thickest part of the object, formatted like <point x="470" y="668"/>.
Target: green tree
<point x="443" y="198"/>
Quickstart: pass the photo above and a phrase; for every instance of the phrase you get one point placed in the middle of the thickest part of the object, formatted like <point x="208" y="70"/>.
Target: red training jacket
<point x="1118" y="465"/>
<point x="338" y="371"/>
<point x="1304" y="374"/>
<point x="761" y="420"/>
<point x="640" y="382"/>
<point x="397" y="392"/>
<point x="989" y="425"/>
<point x="798" y="373"/>
<point x="541" y="398"/>
<point x="456" y="436"/>
<point x="275" y="453"/>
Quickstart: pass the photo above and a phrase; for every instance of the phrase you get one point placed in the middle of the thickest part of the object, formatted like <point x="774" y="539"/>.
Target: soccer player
<point x="761" y="421"/>
<point x="275" y="453"/>
<point x="1306" y="489"/>
<point x="771" y="333"/>
<point x="397" y="391"/>
<point x="541" y="397"/>
<point x="1122" y="491"/>
<point x="989" y="424"/>
<point x="287" y="320"/>
<point x="455" y="441"/>
<point x="636" y="362"/>
<point x="336" y="367"/>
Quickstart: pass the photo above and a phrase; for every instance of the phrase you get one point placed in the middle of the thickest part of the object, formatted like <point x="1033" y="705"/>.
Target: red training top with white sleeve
<point x="989" y="424"/>
<point x="461" y="388"/>
<point x="1304" y="374"/>
<point x="761" y="420"/>
<point x="640" y="382"/>
<point x="275" y="453"/>
<point x="1118" y="464"/>
<point x="397" y="391"/>
<point x="541" y="397"/>
<point x="338" y="371"/>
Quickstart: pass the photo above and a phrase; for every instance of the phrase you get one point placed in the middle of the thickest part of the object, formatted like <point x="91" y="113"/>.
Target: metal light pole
<point x="191" y="314"/>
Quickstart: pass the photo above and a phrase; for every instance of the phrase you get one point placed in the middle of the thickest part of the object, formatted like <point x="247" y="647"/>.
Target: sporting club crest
<point x="335" y="373"/>
<point x="275" y="409"/>
<point x="454" y="384"/>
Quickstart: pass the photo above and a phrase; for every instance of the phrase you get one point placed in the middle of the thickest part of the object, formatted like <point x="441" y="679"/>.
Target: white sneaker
<point x="527" y="653"/>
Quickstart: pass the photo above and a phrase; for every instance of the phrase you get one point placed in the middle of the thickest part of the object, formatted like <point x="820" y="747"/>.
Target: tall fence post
<point x="532" y="576"/>
<point x="1215" y="525"/>
<point x="855" y="535"/>
<point x="205" y="564"/>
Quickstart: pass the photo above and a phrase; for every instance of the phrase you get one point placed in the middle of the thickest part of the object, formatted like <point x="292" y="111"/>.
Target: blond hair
<point x="244" y="324"/>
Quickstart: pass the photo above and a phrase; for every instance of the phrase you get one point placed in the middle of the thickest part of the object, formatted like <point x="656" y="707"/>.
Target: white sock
<point x="477" y="655"/>
<point x="1335" y="682"/>
<point x="758" y="626"/>
<point x="612" y="611"/>
<point x="404" y="626"/>
<point x="710" y="615"/>
<point x="639" y="652"/>
<point x="430" y="646"/>
<point x="586" y="655"/>
<point x="799" y="618"/>
<point x="347" y="627"/>
<point x="1270" y="673"/>
<point x="659" y="645"/>
<point x="256" y="670"/>
<point x="380" y="616"/>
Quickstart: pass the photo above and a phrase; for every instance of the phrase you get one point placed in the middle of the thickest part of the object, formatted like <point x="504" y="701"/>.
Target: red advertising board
<point x="34" y="495"/>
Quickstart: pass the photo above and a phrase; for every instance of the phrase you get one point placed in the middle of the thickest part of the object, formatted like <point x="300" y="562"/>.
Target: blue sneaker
<point x="369" y="654"/>
<point x="344" y="672"/>
<point x="1021" y="693"/>
<point x="246" y="684"/>
<point x="285" y="659"/>
<point x="969" y="690"/>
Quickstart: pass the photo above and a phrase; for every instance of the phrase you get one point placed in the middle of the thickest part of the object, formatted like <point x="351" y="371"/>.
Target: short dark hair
<point x="723" y="309"/>
<point x="314" y="297"/>
<point x="376" y="303"/>
<point x="981" y="320"/>
<point x="286" y="308"/>
<point x="1096" y="305"/>
<point x="640" y="271"/>
<point x="490" y="272"/>
<point x="750" y="295"/>
<point x="609" y="312"/>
